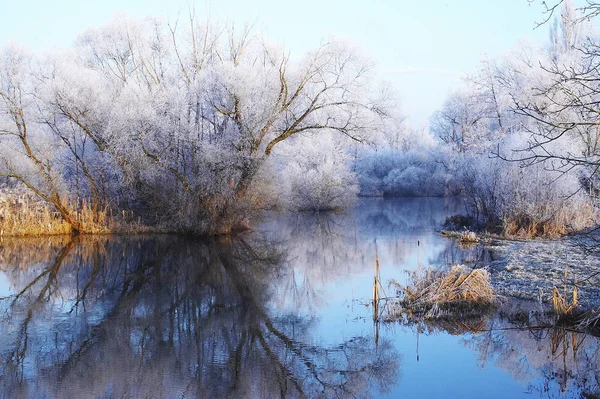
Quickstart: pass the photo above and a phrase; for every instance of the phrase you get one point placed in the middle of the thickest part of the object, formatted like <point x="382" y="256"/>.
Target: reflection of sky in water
<point x="285" y="306"/>
<point x="447" y="368"/>
<point x="4" y="285"/>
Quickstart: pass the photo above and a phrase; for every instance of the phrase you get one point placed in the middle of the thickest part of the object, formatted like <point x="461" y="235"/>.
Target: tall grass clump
<point x="24" y="221"/>
<point x="22" y="214"/>
<point x="570" y="315"/>
<point x="436" y="294"/>
<point x="42" y="219"/>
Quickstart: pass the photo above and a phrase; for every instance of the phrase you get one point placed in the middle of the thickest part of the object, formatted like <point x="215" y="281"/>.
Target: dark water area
<point x="281" y="311"/>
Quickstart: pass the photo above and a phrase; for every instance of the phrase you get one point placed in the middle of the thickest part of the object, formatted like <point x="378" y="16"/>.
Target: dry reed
<point x="570" y="315"/>
<point x="464" y="237"/>
<point x="438" y="294"/>
<point x="23" y="220"/>
<point x="550" y="223"/>
<point x="561" y="305"/>
<point x="22" y="215"/>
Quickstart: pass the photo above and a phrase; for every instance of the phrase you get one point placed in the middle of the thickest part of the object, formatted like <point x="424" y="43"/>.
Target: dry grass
<point x="23" y="221"/>
<point x="44" y="220"/>
<point x="21" y="216"/>
<point x="465" y="237"/>
<point x="437" y="294"/>
<point x="561" y="304"/>
<point x="550" y="224"/>
<point x="569" y="313"/>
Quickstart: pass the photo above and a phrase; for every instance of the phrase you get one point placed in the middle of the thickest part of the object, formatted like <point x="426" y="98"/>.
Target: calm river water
<point x="282" y="311"/>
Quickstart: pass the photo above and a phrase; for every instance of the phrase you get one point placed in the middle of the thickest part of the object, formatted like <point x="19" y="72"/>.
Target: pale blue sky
<point x="421" y="47"/>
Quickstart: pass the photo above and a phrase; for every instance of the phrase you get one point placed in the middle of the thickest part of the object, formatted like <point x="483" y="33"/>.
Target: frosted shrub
<point x="412" y="181"/>
<point x="400" y="173"/>
<point x="319" y="177"/>
<point x="524" y="199"/>
<point x="317" y="189"/>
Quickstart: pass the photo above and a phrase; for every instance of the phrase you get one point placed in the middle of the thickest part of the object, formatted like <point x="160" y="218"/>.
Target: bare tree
<point x="28" y="153"/>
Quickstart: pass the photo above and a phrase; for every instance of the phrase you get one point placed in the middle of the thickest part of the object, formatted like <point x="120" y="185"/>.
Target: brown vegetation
<point x="464" y="237"/>
<point x="23" y="215"/>
<point x="552" y="225"/>
<point x="572" y="317"/>
<point x="437" y="294"/>
<point x="543" y="222"/>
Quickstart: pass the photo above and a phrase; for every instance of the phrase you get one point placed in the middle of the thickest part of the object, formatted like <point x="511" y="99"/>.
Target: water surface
<point x="282" y="311"/>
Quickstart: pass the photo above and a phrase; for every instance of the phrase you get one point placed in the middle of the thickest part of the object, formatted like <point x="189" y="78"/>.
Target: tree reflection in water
<point x="550" y="361"/>
<point x="167" y="317"/>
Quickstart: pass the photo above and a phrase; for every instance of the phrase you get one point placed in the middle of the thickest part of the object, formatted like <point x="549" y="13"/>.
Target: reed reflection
<point x="551" y="361"/>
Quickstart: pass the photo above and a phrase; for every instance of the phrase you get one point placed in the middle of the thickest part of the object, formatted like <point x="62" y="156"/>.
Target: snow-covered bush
<point x="318" y="177"/>
<point x="401" y="173"/>
<point x="522" y="199"/>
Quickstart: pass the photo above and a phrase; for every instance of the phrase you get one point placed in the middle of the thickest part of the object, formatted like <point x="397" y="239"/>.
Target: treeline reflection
<point x="167" y="317"/>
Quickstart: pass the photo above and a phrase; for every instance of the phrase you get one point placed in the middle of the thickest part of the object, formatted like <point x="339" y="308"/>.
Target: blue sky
<point x="421" y="47"/>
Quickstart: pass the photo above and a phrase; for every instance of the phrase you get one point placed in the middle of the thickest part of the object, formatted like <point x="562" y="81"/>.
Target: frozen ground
<point x="529" y="269"/>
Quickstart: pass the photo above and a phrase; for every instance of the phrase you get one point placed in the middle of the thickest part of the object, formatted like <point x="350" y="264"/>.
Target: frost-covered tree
<point x="460" y="122"/>
<point x="318" y="176"/>
<point x="479" y="113"/>
<point x="30" y="153"/>
<point x="178" y="120"/>
<point x="531" y="118"/>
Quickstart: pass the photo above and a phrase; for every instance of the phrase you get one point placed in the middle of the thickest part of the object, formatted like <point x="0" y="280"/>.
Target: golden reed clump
<point x="444" y="294"/>
<point x="23" y="215"/>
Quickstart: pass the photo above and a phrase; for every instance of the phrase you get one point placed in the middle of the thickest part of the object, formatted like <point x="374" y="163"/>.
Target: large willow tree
<point x="174" y="120"/>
